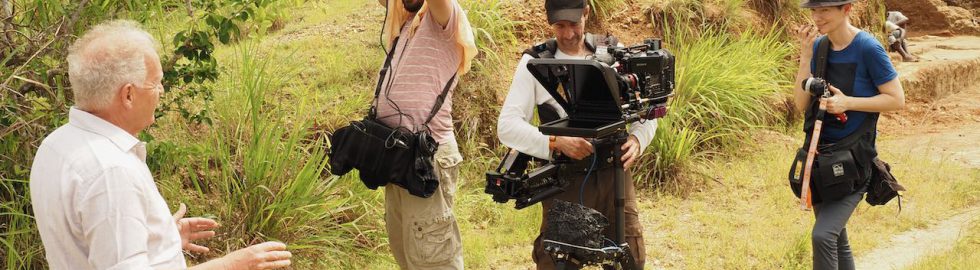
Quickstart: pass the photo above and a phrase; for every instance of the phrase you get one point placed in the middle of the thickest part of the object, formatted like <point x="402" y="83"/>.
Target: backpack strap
<point x="549" y="48"/>
<point x="546" y="49"/>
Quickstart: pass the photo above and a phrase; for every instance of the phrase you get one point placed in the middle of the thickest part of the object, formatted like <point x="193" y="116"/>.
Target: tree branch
<point x="17" y="70"/>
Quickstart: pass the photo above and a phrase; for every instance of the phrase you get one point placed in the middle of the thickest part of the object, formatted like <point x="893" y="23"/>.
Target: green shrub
<point x="725" y="85"/>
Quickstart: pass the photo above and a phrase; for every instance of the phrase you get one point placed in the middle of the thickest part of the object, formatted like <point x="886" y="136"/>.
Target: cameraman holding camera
<point x="863" y="83"/>
<point x="430" y="45"/>
<point x="568" y="19"/>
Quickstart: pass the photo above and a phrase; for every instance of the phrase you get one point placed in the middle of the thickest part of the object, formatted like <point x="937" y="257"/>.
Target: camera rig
<point x="618" y="86"/>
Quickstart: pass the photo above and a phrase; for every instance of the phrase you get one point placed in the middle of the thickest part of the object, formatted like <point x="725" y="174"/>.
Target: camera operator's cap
<point x="564" y="10"/>
<point x="824" y="3"/>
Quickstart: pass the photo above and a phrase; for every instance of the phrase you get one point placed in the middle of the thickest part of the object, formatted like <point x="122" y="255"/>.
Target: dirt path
<point x="943" y="123"/>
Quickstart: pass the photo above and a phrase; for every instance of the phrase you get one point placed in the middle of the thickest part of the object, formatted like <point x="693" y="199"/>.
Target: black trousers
<point x="831" y="251"/>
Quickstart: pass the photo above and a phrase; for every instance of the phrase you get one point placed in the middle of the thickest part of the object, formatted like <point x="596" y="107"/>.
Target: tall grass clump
<point x="725" y="86"/>
<point x="268" y="172"/>
<point x="20" y="243"/>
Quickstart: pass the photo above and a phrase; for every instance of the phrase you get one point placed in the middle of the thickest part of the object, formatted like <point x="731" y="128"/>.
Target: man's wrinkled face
<point x="413" y="6"/>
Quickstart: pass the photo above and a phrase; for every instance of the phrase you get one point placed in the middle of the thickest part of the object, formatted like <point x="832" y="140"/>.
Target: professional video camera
<point x="619" y="85"/>
<point x="646" y="73"/>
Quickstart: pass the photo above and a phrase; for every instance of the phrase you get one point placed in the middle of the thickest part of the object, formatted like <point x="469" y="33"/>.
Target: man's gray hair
<point x="105" y="58"/>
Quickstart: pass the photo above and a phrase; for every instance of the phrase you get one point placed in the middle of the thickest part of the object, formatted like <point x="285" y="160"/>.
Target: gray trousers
<point x="831" y="251"/>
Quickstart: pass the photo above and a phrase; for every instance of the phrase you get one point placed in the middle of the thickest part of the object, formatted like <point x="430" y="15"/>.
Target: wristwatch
<point x="551" y="142"/>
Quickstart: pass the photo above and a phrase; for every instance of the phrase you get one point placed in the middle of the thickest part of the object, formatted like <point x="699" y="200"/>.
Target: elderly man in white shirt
<point x="95" y="201"/>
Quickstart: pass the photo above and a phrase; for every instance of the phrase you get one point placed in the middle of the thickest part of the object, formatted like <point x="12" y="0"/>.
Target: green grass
<point x="962" y="256"/>
<point x="19" y="240"/>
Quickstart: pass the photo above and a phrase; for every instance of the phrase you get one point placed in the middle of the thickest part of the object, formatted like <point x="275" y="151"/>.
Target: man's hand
<point x="808" y="35"/>
<point x="631" y="151"/>
<point x="573" y="147"/>
<point x="193" y="229"/>
<point x="268" y="255"/>
<point x="838" y="103"/>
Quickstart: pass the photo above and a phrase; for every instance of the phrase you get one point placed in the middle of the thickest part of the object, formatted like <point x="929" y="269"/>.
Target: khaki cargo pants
<point x="422" y="232"/>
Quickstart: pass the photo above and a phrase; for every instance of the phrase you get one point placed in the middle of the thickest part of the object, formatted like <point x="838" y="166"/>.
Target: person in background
<point x="897" y="34"/>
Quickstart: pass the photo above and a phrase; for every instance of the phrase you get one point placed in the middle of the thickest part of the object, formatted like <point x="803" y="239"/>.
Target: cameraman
<point x="567" y="19"/>
<point x="434" y="48"/>
<point x="864" y="83"/>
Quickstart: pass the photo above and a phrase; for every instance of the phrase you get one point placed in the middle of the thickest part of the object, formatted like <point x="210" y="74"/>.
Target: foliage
<point x="725" y="85"/>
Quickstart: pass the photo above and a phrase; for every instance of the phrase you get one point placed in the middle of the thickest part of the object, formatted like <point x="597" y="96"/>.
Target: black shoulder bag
<point x="841" y="168"/>
<point x="385" y="155"/>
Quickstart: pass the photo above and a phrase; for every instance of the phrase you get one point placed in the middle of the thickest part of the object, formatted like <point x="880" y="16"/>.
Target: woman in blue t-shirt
<point x="864" y="83"/>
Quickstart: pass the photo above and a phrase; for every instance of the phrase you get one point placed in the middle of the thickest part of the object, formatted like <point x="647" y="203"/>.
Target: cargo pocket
<point x="448" y="161"/>
<point x="435" y="241"/>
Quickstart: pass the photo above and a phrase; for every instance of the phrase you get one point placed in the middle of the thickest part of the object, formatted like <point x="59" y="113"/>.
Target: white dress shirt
<point x="514" y="128"/>
<point x="95" y="201"/>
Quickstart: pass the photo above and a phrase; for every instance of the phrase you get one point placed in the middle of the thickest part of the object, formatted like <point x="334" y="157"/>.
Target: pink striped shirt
<point x="420" y="68"/>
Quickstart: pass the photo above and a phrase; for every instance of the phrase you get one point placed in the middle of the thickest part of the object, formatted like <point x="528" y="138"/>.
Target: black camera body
<point x="646" y="74"/>
<point x="817" y="87"/>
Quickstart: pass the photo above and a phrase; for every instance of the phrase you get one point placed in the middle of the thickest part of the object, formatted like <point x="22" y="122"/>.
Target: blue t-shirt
<point x="857" y="71"/>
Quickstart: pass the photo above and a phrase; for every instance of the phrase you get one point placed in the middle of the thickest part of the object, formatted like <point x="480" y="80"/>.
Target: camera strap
<point x="820" y="71"/>
<point x="823" y="51"/>
<point x="384" y="71"/>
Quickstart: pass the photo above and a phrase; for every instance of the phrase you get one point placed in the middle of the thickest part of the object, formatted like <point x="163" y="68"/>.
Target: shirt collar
<point x="89" y="122"/>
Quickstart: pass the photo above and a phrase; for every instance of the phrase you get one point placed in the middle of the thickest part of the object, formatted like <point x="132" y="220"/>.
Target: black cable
<point x="381" y="33"/>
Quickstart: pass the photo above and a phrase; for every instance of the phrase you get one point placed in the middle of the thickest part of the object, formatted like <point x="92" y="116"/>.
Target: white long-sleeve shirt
<point x="514" y="123"/>
<point x="95" y="201"/>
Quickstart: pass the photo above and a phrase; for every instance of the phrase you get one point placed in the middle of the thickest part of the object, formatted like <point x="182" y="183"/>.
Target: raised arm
<point x="441" y="10"/>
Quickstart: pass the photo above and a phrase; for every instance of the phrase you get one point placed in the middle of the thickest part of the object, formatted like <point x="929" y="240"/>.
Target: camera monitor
<point x="589" y="93"/>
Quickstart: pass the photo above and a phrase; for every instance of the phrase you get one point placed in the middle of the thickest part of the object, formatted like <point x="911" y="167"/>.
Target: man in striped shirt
<point x="433" y="49"/>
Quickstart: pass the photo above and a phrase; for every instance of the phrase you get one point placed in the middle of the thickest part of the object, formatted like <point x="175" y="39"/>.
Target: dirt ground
<point x="945" y="125"/>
